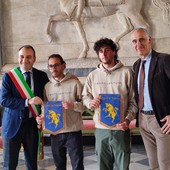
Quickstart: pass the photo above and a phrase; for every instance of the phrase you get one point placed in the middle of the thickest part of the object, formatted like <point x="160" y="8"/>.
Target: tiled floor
<point x="138" y="159"/>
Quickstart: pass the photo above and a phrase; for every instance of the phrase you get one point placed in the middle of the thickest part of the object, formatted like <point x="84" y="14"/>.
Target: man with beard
<point x="111" y="77"/>
<point x="66" y="88"/>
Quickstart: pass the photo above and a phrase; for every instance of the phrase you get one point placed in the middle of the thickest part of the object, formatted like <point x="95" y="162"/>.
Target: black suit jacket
<point x="14" y="104"/>
<point x="158" y="82"/>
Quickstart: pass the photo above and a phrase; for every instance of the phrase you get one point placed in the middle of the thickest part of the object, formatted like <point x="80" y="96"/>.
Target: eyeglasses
<point x="50" y="66"/>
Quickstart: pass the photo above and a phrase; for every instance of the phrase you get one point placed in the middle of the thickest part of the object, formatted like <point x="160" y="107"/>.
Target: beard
<point x="108" y="62"/>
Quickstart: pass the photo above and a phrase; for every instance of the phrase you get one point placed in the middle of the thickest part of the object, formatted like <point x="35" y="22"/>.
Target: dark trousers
<point x="71" y="142"/>
<point x="28" y="137"/>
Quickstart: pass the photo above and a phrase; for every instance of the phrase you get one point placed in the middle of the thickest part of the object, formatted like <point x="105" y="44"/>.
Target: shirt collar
<point x="149" y="56"/>
<point x="23" y="71"/>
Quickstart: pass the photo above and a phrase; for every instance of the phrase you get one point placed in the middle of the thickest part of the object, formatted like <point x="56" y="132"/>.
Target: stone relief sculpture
<point x="164" y="5"/>
<point x="75" y="10"/>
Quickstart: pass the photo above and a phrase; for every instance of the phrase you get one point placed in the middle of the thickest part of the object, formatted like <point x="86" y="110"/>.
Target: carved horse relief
<point x="164" y="5"/>
<point x="74" y="11"/>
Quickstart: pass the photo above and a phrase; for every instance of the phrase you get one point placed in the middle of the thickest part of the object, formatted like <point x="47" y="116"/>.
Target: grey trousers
<point x="156" y="143"/>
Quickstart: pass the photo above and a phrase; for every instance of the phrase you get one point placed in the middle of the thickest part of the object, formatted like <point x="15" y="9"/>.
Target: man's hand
<point x="68" y="105"/>
<point x="35" y="100"/>
<point x="40" y="119"/>
<point x="166" y="127"/>
<point x="95" y="103"/>
<point x="124" y="125"/>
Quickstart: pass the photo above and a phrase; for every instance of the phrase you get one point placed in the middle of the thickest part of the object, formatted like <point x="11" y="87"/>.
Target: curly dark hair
<point x="106" y="42"/>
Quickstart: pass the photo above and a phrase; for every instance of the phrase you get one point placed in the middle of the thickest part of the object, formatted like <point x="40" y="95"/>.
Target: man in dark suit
<point x="153" y="117"/>
<point x="18" y="124"/>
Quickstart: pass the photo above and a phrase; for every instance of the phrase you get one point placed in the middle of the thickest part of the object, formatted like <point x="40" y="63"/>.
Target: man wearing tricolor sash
<point x="20" y="99"/>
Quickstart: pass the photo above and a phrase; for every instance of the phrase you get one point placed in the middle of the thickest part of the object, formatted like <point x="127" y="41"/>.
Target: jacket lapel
<point x="136" y="73"/>
<point x="152" y="67"/>
<point x="35" y="82"/>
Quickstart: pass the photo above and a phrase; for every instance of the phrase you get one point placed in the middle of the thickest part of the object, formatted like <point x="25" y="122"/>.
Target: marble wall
<point x="25" y="22"/>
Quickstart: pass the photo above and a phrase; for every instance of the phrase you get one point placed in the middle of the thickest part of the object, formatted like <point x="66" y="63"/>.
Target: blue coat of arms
<point x="110" y="109"/>
<point x="54" y="118"/>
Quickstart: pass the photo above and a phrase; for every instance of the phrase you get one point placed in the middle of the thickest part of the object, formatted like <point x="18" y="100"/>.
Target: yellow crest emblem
<point x="112" y="111"/>
<point x="55" y="117"/>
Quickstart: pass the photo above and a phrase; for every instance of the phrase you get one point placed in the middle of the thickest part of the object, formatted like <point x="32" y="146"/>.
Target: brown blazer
<point x="159" y="84"/>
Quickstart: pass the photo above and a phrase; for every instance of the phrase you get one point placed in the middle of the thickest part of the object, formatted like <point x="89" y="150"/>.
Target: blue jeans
<point x="71" y="142"/>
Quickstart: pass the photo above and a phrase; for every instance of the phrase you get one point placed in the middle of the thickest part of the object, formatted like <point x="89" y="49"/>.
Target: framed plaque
<point x="109" y="114"/>
<point x="54" y="117"/>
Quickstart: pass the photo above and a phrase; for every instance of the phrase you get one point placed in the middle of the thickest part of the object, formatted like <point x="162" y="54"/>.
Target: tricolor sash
<point x="24" y="89"/>
<point x="27" y="93"/>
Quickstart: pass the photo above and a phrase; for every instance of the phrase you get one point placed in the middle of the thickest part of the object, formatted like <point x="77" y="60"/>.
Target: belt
<point x="149" y="112"/>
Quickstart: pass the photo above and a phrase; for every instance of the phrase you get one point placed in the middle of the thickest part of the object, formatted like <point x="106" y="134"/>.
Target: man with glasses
<point x="66" y="88"/>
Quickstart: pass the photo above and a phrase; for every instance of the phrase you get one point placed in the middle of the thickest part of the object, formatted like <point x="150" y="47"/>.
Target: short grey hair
<point x="141" y="29"/>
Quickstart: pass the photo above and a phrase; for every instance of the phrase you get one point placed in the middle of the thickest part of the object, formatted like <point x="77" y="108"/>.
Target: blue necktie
<point x="28" y="78"/>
